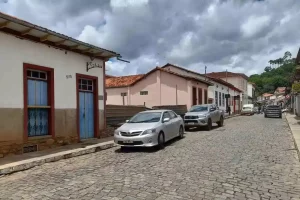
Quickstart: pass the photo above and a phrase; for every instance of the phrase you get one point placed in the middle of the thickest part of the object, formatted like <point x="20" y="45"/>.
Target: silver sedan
<point x="150" y="128"/>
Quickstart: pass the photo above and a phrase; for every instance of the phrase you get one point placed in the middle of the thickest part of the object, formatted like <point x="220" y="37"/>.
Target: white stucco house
<point x="52" y="87"/>
<point x="239" y="80"/>
<point x="251" y="92"/>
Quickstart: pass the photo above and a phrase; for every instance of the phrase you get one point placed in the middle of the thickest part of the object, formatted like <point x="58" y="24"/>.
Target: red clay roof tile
<point x="228" y="74"/>
<point x="122" y="81"/>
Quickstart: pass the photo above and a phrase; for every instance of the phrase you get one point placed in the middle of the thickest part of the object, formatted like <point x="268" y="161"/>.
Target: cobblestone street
<point x="249" y="158"/>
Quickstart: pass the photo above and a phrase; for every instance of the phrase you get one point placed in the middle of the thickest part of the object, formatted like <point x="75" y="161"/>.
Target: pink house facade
<point x="157" y="87"/>
<point x="216" y="92"/>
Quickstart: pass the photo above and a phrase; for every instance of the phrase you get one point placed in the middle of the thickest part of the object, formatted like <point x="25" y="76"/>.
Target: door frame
<point x="200" y="96"/>
<point x="50" y="81"/>
<point x="194" y="96"/>
<point x="96" y="103"/>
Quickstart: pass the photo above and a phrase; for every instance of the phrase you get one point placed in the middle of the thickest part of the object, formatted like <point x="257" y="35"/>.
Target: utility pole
<point x="205" y="71"/>
<point x="227" y="99"/>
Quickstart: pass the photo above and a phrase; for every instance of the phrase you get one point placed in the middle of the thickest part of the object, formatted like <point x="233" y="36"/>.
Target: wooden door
<point x="86" y="109"/>
<point x="205" y="96"/>
<point x="194" y="96"/>
<point x="200" y="96"/>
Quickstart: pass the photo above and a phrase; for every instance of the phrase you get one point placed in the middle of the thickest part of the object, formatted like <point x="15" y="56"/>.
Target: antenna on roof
<point x="119" y="58"/>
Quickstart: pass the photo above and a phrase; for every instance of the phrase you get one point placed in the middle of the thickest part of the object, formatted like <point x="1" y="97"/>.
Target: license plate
<point x="127" y="141"/>
<point x="191" y="123"/>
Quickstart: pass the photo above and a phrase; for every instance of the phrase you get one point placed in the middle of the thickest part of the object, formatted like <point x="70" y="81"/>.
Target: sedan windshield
<point x="146" y="117"/>
<point x="198" y="108"/>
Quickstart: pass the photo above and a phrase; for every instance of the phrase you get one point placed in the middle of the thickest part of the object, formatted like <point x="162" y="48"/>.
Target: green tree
<point x="268" y="68"/>
<point x="274" y="77"/>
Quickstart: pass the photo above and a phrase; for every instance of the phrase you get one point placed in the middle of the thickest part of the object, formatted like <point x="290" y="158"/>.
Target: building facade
<point x="51" y="92"/>
<point x="239" y="80"/>
<point x="156" y="88"/>
<point x="216" y="92"/>
<point x="251" y="93"/>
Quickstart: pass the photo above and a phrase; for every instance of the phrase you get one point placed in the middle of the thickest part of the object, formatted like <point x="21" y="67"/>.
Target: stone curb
<point x="30" y="163"/>
<point x="297" y="144"/>
<point x="231" y="116"/>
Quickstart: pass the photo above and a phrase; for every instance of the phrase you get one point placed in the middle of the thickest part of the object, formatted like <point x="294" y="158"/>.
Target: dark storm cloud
<point x="218" y="33"/>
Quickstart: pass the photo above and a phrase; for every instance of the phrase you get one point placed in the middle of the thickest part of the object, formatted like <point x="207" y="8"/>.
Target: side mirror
<point x="166" y="120"/>
<point x="212" y="109"/>
<point x="127" y="121"/>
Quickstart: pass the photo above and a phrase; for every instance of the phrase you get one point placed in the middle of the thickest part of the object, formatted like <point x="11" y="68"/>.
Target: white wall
<point x="249" y="90"/>
<point x="114" y="96"/>
<point x="213" y="89"/>
<point x="151" y="83"/>
<point x="14" y="52"/>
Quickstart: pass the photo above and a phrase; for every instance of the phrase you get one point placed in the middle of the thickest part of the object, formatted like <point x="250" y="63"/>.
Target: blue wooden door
<point x="38" y="108"/>
<point x="86" y="109"/>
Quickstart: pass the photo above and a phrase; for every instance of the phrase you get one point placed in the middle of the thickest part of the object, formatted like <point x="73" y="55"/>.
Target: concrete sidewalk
<point x="16" y="163"/>
<point x="294" y="123"/>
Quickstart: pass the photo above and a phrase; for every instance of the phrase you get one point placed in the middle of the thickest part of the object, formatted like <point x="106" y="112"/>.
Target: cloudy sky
<point x="237" y="35"/>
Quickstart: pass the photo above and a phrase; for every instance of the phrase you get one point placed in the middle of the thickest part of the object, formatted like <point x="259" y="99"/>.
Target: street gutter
<point x="33" y="162"/>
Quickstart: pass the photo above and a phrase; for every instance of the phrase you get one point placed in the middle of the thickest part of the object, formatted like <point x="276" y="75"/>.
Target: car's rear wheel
<point x="161" y="140"/>
<point x="221" y="122"/>
<point x="181" y="132"/>
<point x="209" y="125"/>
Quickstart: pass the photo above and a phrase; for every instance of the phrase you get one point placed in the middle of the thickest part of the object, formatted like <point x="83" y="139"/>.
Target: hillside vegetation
<point x="278" y="74"/>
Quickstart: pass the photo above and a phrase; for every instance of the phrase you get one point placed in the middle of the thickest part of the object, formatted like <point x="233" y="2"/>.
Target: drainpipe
<point x="128" y="95"/>
<point x="176" y="96"/>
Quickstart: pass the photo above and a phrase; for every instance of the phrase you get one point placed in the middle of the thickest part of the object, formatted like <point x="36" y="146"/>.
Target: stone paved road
<point x="250" y="158"/>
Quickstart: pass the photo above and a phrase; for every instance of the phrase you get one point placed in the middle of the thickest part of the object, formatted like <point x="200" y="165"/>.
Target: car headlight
<point x="149" y="131"/>
<point x="117" y="132"/>
<point x="201" y="116"/>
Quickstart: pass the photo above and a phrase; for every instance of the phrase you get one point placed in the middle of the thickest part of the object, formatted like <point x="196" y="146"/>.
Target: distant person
<point x="229" y="110"/>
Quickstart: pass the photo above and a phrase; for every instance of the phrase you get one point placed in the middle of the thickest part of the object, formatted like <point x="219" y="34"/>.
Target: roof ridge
<point x="127" y="75"/>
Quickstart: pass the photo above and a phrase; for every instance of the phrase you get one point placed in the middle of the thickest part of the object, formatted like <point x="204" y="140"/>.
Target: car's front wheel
<point x="209" y="125"/>
<point x="221" y="122"/>
<point x="161" y="140"/>
<point x="181" y="132"/>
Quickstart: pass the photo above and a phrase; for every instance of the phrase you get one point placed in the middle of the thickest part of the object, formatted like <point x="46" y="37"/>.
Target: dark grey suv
<point x="273" y="111"/>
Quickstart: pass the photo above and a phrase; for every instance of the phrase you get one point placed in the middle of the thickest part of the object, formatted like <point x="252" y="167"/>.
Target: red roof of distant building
<point x="281" y="89"/>
<point x="267" y="95"/>
<point x="124" y="81"/>
<point x="226" y="74"/>
<point x="218" y="80"/>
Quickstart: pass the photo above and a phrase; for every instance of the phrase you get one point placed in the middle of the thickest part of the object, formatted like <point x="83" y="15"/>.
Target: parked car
<point x="203" y="115"/>
<point x="248" y="109"/>
<point x="273" y="111"/>
<point x="150" y="128"/>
